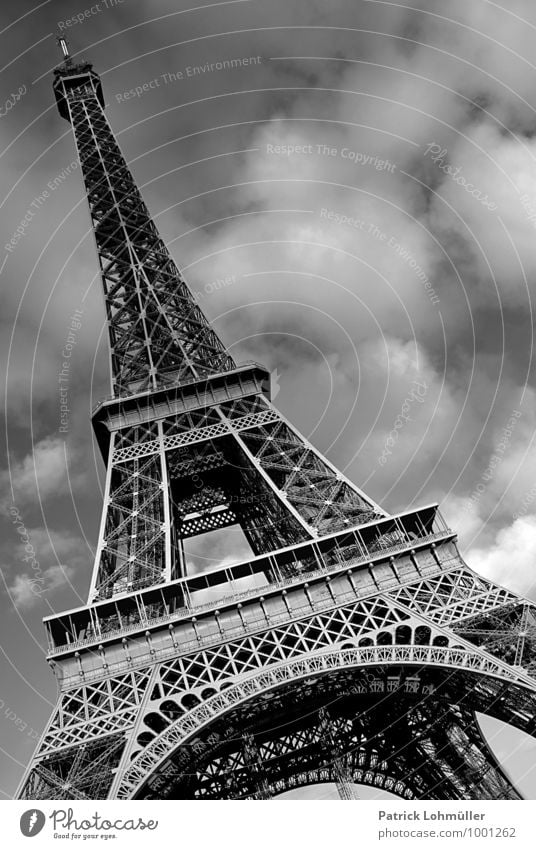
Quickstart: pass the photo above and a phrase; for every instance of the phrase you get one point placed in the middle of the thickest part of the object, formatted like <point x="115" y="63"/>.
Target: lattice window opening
<point x="118" y="574"/>
<point x="185" y="422"/>
<point x="274" y="440"/>
<point x="250" y="405"/>
<point x="143" y="571"/>
<point x="288" y="448"/>
<point x="134" y="536"/>
<point x="134" y="435"/>
<point x="312" y="499"/>
<point x="136" y="484"/>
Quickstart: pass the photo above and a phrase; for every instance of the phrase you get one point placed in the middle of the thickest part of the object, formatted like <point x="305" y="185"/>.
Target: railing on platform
<point x="114" y="627"/>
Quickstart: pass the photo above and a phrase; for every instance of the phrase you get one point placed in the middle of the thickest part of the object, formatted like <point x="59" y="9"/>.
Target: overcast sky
<point x="306" y="194"/>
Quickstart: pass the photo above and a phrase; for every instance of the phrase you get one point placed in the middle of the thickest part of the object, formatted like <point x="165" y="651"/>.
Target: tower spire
<point x="158" y="334"/>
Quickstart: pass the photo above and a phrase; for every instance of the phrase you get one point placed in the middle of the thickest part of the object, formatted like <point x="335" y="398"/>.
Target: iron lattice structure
<point x="352" y="646"/>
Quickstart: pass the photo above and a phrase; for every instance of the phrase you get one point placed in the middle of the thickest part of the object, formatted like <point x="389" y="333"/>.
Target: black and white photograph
<point x="268" y="479"/>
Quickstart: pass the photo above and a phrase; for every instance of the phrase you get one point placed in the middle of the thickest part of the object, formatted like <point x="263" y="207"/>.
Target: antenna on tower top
<point x="62" y="41"/>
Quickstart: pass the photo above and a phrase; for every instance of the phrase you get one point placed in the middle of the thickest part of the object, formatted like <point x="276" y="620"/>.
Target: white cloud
<point x="501" y="167"/>
<point x="42" y="562"/>
<point x="40" y="474"/>
<point x="26" y="589"/>
<point x="511" y="559"/>
<point x="458" y="515"/>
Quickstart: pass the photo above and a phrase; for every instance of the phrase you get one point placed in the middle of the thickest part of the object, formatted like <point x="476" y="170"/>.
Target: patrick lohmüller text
<point x="430" y="815"/>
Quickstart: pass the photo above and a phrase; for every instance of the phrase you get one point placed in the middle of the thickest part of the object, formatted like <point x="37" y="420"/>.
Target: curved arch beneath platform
<point x="460" y="659"/>
<point x="369" y="778"/>
<point x="299" y="792"/>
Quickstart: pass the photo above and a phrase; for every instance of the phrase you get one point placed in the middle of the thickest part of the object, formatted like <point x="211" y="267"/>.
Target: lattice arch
<point x="130" y="780"/>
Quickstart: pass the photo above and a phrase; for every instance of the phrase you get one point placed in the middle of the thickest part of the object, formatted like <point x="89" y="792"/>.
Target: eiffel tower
<point x="352" y="646"/>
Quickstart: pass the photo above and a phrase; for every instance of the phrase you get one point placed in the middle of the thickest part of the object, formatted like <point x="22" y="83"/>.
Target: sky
<point x="349" y="186"/>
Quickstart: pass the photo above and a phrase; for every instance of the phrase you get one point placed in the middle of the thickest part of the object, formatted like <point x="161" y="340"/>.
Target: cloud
<point x="39" y="474"/>
<point x="26" y="590"/>
<point x="501" y="168"/>
<point x="511" y="559"/>
<point x="43" y="562"/>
